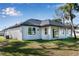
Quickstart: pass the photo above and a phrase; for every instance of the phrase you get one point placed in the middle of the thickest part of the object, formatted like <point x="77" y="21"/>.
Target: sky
<point x="12" y="13"/>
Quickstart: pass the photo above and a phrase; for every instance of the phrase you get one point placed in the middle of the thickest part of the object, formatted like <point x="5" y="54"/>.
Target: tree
<point x="59" y="15"/>
<point x="68" y="10"/>
<point x="57" y="20"/>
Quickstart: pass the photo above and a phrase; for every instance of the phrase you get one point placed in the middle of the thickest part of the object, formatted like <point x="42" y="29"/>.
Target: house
<point x="34" y="29"/>
<point x="1" y="33"/>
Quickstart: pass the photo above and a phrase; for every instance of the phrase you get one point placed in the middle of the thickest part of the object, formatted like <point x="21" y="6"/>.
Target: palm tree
<point x="68" y="10"/>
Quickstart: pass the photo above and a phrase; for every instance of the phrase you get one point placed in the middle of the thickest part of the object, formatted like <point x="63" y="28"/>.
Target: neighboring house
<point x="34" y="29"/>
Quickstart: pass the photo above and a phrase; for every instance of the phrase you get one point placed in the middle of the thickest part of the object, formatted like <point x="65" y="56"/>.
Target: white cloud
<point x="10" y="11"/>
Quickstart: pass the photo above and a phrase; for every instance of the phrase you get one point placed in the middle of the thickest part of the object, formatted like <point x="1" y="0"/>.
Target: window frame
<point x="32" y="30"/>
<point x="45" y="31"/>
<point x="29" y="31"/>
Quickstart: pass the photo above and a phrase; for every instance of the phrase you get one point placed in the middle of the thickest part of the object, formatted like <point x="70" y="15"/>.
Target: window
<point x="31" y="31"/>
<point x="63" y="31"/>
<point x="46" y="31"/>
<point x="34" y="31"/>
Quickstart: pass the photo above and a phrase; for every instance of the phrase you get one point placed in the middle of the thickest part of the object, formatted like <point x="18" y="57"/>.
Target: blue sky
<point x="12" y="13"/>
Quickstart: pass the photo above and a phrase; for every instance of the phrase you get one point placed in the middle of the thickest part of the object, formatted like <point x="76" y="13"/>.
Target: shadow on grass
<point x="13" y="51"/>
<point x="26" y="51"/>
<point x="47" y="41"/>
<point x="40" y="41"/>
<point x="17" y="44"/>
<point x="16" y="50"/>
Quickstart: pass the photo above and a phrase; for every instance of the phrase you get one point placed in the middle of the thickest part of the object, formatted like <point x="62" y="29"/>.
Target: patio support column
<point x="50" y="32"/>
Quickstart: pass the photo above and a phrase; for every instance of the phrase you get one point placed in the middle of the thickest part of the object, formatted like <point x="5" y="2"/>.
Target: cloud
<point x="10" y="11"/>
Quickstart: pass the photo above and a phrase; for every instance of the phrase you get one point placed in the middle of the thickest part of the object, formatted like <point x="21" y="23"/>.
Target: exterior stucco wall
<point x="54" y="27"/>
<point x="48" y="35"/>
<point x="68" y="32"/>
<point x="26" y="36"/>
<point x="39" y="34"/>
<point x="77" y="32"/>
<point x="64" y="33"/>
<point x="14" y="33"/>
<point x="21" y="33"/>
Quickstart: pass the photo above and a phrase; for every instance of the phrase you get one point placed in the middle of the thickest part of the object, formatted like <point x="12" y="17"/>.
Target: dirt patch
<point x="49" y="46"/>
<point x="52" y="52"/>
<point x="34" y="45"/>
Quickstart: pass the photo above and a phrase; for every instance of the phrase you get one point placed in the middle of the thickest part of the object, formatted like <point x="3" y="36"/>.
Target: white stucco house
<point x="34" y="29"/>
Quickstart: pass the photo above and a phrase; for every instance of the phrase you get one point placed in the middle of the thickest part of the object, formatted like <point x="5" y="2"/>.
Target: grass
<point x="2" y="39"/>
<point x="69" y="46"/>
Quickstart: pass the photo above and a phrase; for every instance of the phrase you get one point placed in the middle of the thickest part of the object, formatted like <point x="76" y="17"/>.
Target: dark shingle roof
<point x="32" y="22"/>
<point x="51" y="23"/>
<point x="40" y="23"/>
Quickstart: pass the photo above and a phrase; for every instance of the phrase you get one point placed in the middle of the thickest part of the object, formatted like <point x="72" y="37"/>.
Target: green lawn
<point x="60" y="47"/>
<point x="2" y="39"/>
